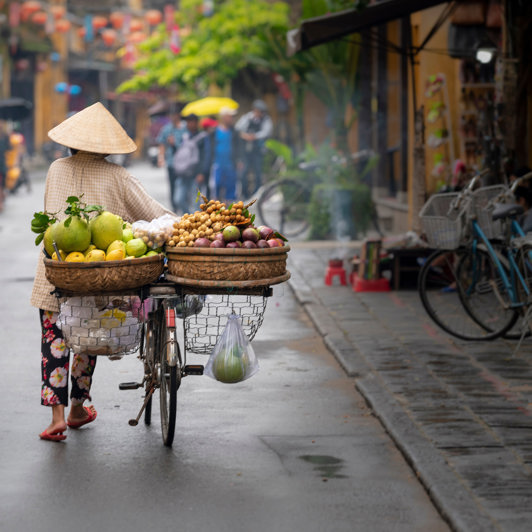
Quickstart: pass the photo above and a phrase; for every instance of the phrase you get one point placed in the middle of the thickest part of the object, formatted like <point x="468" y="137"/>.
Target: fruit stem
<point x="59" y="258"/>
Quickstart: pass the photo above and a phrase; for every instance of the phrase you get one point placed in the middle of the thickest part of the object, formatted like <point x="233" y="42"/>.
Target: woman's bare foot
<point x="80" y="415"/>
<point x="58" y="424"/>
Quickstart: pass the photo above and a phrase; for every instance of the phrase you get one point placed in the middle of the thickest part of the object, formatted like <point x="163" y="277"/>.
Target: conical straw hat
<point x="93" y="129"/>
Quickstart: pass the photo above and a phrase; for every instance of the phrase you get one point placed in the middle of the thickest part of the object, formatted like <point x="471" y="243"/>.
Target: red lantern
<point x="137" y="37"/>
<point x="58" y="11"/>
<point x="136" y="25"/>
<point x="117" y="19"/>
<point x="153" y="17"/>
<point x="62" y="25"/>
<point x="39" y="17"/>
<point x="28" y="8"/>
<point x="109" y="37"/>
<point x="99" y="22"/>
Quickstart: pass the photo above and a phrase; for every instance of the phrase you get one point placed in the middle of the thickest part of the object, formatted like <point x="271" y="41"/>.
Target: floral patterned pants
<point x="56" y="365"/>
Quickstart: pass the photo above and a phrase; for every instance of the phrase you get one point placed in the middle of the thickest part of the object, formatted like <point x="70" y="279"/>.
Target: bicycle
<point x="477" y="286"/>
<point x="284" y="203"/>
<point x="164" y="355"/>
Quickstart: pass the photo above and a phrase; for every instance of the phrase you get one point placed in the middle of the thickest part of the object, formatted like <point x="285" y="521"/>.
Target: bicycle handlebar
<point x="519" y="180"/>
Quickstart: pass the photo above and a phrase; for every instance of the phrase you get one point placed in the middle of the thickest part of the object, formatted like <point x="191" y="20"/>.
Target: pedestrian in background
<point x="169" y="140"/>
<point x="254" y="128"/>
<point x="91" y="134"/>
<point x="4" y="147"/>
<point x="191" y="163"/>
<point x="224" y="156"/>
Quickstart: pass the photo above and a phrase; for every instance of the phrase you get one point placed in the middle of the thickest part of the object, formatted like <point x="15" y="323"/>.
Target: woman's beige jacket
<point x="101" y="183"/>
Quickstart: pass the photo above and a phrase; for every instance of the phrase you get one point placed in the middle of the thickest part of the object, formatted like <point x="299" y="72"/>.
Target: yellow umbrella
<point x="208" y="106"/>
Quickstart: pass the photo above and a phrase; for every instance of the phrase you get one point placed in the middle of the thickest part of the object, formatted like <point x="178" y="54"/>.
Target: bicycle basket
<point x="443" y="225"/>
<point x="202" y="329"/>
<point x="106" y="325"/>
<point x="483" y="210"/>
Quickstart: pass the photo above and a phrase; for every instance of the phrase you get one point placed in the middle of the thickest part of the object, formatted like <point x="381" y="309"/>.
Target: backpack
<point x="187" y="155"/>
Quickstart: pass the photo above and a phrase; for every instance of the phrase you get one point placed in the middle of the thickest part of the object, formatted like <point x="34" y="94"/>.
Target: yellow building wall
<point x="433" y="60"/>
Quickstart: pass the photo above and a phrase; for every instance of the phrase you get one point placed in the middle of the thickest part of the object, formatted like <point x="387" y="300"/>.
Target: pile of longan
<point x="212" y="218"/>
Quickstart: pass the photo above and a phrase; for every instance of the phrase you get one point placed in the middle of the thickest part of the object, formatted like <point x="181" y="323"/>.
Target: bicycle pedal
<point x="129" y="385"/>
<point x="194" y="369"/>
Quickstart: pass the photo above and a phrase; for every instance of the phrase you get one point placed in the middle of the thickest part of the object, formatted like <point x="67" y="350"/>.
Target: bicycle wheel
<point x="440" y="290"/>
<point x="169" y="377"/>
<point x="483" y="294"/>
<point x="149" y="342"/>
<point x="523" y="327"/>
<point x="283" y="205"/>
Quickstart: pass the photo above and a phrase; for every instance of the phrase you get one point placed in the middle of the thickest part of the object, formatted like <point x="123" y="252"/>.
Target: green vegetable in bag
<point x="233" y="359"/>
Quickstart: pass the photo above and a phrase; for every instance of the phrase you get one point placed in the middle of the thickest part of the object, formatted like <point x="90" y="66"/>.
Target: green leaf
<point x="252" y="218"/>
<point x="39" y="238"/>
<point x="72" y="199"/>
<point x="93" y="208"/>
<point x="68" y="221"/>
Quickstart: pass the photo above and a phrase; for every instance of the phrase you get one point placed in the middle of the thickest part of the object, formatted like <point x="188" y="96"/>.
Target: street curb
<point x="449" y="495"/>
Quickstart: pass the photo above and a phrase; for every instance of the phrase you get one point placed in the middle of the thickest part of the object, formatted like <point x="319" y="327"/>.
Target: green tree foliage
<point x="214" y="49"/>
<point x="243" y="33"/>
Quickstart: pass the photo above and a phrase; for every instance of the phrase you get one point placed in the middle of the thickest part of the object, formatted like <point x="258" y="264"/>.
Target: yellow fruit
<point x="75" y="256"/>
<point x="95" y="255"/>
<point x="116" y="254"/>
<point x="89" y="249"/>
<point x="61" y="252"/>
<point x="116" y="244"/>
<point x="106" y="228"/>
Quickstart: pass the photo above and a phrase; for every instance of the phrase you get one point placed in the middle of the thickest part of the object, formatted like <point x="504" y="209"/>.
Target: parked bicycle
<point x="477" y="285"/>
<point x="284" y="203"/>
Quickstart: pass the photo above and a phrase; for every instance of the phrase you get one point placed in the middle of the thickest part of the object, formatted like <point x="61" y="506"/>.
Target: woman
<point x="91" y="135"/>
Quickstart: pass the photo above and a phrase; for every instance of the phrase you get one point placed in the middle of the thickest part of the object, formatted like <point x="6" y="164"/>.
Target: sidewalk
<point x="459" y="411"/>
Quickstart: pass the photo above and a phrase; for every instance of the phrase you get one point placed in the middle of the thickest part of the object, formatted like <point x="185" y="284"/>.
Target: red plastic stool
<point x="334" y="269"/>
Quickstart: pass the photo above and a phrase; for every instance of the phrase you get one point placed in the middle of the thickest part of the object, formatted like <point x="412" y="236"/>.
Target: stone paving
<point x="459" y="411"/>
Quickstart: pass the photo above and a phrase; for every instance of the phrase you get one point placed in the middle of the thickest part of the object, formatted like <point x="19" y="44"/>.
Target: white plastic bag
<point x="155" y="233"/>
<point x="233" y="359"/>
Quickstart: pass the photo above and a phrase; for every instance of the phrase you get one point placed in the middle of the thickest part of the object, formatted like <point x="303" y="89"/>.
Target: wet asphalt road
<point x="292" y="449"/>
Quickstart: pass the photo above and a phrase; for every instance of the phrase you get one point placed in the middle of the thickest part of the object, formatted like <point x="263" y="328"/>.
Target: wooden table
<point x="405" y="261"/>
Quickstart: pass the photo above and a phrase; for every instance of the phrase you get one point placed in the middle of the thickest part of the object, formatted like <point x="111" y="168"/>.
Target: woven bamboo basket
<point x="227" y="267"/>
<point x="105" y="276"/>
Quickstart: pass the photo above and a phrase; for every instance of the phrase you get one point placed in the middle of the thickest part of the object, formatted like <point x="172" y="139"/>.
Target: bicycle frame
<point x="509" y="283"/>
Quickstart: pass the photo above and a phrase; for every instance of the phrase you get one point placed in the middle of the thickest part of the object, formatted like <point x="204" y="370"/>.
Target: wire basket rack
<point x="204" y="324"/>
<point x="483" y="205"/>
<point x="443" y="223"/>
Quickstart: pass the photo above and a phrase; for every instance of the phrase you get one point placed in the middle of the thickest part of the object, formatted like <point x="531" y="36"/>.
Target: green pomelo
<point x="151" y="253"/>
<point x="75" y="237"/>
<point x="228" y="368"/>
<point x="136" y="247"/>
<point x="106" y="228"/>
<point x="48" y="240"/>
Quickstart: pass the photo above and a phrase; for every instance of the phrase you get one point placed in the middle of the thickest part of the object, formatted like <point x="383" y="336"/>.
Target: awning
<point x="319" y="30"/>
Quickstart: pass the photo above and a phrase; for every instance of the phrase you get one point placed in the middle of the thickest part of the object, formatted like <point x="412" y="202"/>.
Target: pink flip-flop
<point x="91" y="413"/>
<point x="52" y="436"/>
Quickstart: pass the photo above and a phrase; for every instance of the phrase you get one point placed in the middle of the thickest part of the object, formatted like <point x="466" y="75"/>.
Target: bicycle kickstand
<point x="135" y="422"/>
